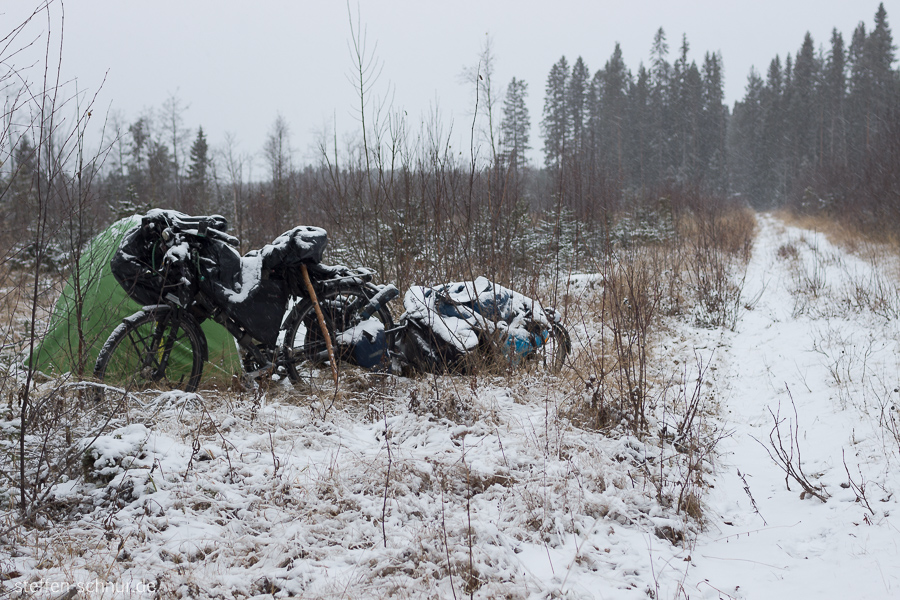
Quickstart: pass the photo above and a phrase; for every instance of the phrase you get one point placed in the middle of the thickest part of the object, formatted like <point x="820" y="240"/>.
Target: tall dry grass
<point x="693" y="272"/>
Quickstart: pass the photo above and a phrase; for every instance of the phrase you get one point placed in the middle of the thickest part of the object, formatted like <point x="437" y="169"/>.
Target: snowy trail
<point x="812" y="353"/>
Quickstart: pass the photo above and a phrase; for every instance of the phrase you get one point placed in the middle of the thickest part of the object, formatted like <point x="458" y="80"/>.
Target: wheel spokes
<point x="146" y="358"/>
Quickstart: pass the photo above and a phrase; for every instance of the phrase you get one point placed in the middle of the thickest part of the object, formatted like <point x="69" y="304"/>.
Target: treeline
<point x="614" y="136"/>
<point x="821" y="132"/>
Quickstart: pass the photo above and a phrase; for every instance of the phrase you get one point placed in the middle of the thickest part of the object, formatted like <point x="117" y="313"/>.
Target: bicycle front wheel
<point x="153" y="350"/>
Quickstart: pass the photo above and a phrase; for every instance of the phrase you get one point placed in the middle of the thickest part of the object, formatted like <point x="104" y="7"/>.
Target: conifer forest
<point x="815" y="132"/>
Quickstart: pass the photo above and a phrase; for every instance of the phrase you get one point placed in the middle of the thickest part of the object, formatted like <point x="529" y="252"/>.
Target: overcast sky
<point x="237" y="64"/>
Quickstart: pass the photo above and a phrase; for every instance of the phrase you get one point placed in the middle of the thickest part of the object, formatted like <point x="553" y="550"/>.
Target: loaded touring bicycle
<point x="293" y="316"/>
<point x="184" y="270"/>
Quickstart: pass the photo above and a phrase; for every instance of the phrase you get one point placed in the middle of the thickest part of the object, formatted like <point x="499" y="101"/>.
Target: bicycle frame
<point x="185" y="270"/>
<point x="270" y="357"/>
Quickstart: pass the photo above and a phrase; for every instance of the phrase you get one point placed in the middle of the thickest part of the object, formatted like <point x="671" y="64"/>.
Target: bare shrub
<point x="632" y="296"/>
<point x="788" y="252"/>
<point x="691" y="258"/>
<point x="49" y="212"/>
<point x="788" y="458"/>
<point x="718" y="238"/>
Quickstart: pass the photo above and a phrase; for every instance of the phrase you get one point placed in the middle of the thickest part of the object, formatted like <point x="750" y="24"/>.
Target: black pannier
<point x="254" y="288"/>
<point x="140" y="266"/>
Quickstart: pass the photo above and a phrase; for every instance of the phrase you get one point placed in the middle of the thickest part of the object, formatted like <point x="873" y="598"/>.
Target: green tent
<point x="104" y="306"/>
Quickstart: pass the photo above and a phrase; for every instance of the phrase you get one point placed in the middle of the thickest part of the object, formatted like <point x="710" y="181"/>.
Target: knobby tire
<point x="152" y="350"/>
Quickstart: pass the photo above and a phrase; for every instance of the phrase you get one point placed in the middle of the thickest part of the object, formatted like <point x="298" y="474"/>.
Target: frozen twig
<point x="858" y="488"/>
<point x="788" y="459"/>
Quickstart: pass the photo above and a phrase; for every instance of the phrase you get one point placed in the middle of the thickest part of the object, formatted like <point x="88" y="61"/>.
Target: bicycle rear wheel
<point x="153" y="349"/>
<point x="354" y="339"/>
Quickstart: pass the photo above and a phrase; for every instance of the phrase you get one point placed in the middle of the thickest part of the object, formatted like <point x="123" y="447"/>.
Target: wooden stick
<point x="321" y="317"/>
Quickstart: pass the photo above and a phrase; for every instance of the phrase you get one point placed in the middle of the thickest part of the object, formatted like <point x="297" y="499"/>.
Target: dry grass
<point x="16" y="302"/>
<point x="842" y="232"/>
<point x="864" y="281"/>
<point x="729" y="229"/>
<point x="697" y="275"/>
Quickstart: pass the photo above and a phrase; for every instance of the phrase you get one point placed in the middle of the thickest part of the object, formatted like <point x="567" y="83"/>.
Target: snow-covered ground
<point x="451" y="487"/>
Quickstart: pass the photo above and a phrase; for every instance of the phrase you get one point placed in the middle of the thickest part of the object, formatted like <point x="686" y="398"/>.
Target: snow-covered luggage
<point x="140" y="264"/>
<point x="444" y="325"/>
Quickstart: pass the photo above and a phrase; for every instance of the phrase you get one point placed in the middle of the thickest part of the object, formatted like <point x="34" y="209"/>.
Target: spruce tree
<point x="613" y="100"/>
<point x="834" y="83"/>
<point x="687" y="102"/>
<point x="713" y="123"/>
<point x="745" y="142"/>
<point x="196" y="198"/>
<point x="515" y="125"/>
<point x="638" y="134"/>
<point x="661" y="123"/>
<point x="24" y="182"/>
<point x="804" y="105"/>
<point x="773" y="170"/>
<point x="878" y="58"/>
<point x="160" y="175"/>
<point x="859" y="96"/>
<point x="595" y="123"/>
<point x="137" y="167"/>
<point x="577" y="100"/>
<point x="554" y="124"/>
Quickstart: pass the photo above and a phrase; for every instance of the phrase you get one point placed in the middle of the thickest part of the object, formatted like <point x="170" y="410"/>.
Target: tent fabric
<point x="104" y="306"/>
